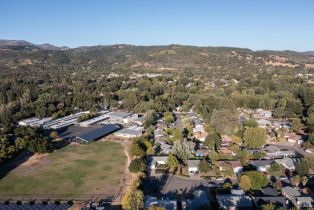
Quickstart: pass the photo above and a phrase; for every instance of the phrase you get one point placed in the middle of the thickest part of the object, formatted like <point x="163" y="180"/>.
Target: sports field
<point x="73" y="170"/>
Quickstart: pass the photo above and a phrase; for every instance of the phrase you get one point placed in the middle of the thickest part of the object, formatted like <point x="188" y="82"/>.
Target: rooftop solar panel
<point x="98" y="133"/>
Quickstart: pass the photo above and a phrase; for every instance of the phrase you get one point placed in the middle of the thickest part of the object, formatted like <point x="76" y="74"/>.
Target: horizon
<point x="256" y="26"/>
<point x="163" y="45"/>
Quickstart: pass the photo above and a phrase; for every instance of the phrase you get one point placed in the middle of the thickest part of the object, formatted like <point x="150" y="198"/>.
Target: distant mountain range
<point x="20" y="53"/>
<point x="22" y="43"/>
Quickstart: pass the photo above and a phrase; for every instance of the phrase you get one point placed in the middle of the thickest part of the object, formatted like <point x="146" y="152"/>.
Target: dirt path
<point x="128" y="178"/>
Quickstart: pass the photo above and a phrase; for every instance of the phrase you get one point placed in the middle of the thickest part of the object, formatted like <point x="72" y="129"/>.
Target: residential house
<point x="292" y="137"/>
<point x="235" y="164"/>
<point x="233" y="200"/>
<point x="225" y="151"/>
<point x="165" y="149"/>
<point x="274" y="152"/>
<point x="261" y="165"/>
<point x="277" y="201"/>
<point x="261" y="113"/>
<point x="226" y="141"/>
<point x="263" y="123"/>
<point x="199" y="198"/>
<point x="201" y="153"/>
<point x="161" y="124"/>
<point x="156" y="164"/>
<point x="158" y="133"/>
<point x="169" y="204"/>
<point x="297" y="198"/>
<point x="200" y="133"/>
<point x="193" y="166"/>
<point x="289" y="163"/>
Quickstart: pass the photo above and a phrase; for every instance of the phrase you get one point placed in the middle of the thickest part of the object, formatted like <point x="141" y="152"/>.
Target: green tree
<point x="137" y="165"/>
<point x="268" y="206"/>
<point x="149" y="118"/>
<point x="213" y="141"/>
<point x="177" y="134"/>
<point x="258" y="180"/>
<point x="150" y="151"/>
<point x="311" y="138"/>
<point x="275" y="169"/>
<point x="244" y="157"/>
<point x="279" y="112"/>
<point x="168" y="117"/>
<point x="302" y="168"/>
<point x="137" y="150"/>
<point x="245" y="183"/>
<point x="133" y="200"/>
<point x="7" y="150"/>
<point x="296" y="124"/>
<point x="254" y="137"/>
<point x="311" y="122"/>
<point x="203" y="166"/>
<point x="172" y="162"/>
<point x="224" y="121"/>
<point x="183" y="149"/>
<point x="250" y="123"/>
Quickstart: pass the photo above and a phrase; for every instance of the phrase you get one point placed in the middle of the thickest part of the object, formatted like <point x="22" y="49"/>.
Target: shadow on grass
<point x="7" y="166"/>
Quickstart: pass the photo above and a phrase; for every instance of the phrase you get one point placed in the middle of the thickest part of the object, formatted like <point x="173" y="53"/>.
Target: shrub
<point x="137" y="165"/>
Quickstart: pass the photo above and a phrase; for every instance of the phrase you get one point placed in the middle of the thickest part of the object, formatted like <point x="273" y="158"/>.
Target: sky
<point x="254" y="24"/>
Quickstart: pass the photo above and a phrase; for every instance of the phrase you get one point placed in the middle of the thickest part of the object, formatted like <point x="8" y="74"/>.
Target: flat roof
<point x="120" y="114"/>
<point x="130" y="132"/>
<point x="98" y="132"/>
<point x="193" y="163"/>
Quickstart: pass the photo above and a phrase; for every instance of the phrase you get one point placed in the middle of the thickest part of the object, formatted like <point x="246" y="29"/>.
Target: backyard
<point x="94" y="169"/>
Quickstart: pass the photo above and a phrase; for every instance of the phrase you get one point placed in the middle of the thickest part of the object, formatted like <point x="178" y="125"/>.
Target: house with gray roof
<point x="277" y="201"/>
<point x="261" y="165"/>
<point x="165" y="149"/>
<point x="274" y="152"/>
<point x="169" y="204"/>
<point x="201" y="153"/>
<point x="233" y="202"/>
<point x="297" y="198"/>
<point x="289" y="163"/>
<point x="156" y="164"/>
<point x="199" y="198"/>
<point x="193" y="166"/>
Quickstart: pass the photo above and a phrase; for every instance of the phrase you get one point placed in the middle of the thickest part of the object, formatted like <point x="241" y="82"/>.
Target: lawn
<point x="75" y="169"/>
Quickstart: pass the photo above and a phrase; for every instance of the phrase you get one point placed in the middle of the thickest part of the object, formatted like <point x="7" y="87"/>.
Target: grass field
<point x="75" y="169"/>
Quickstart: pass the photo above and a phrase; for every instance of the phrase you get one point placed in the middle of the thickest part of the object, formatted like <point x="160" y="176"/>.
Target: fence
<point x="58" y="197"/>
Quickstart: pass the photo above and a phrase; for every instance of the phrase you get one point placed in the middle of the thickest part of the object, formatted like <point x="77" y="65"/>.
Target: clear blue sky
<point x="255" y="24"/>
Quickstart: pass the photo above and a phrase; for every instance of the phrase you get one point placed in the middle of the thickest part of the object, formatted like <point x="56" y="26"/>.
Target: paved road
<point x="178" y="122"/>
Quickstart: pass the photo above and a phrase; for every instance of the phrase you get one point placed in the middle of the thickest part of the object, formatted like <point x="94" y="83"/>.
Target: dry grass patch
<point x="75" y="169"/>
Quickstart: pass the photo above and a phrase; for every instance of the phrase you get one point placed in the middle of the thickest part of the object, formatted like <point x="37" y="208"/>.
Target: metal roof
<point x="98" y="133"/>
<point x="119" y="114"/>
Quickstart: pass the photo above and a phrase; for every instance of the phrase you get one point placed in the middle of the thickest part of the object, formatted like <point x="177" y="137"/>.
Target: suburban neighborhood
<point x="188" y="166"/>
<point x="156" y="105"/>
